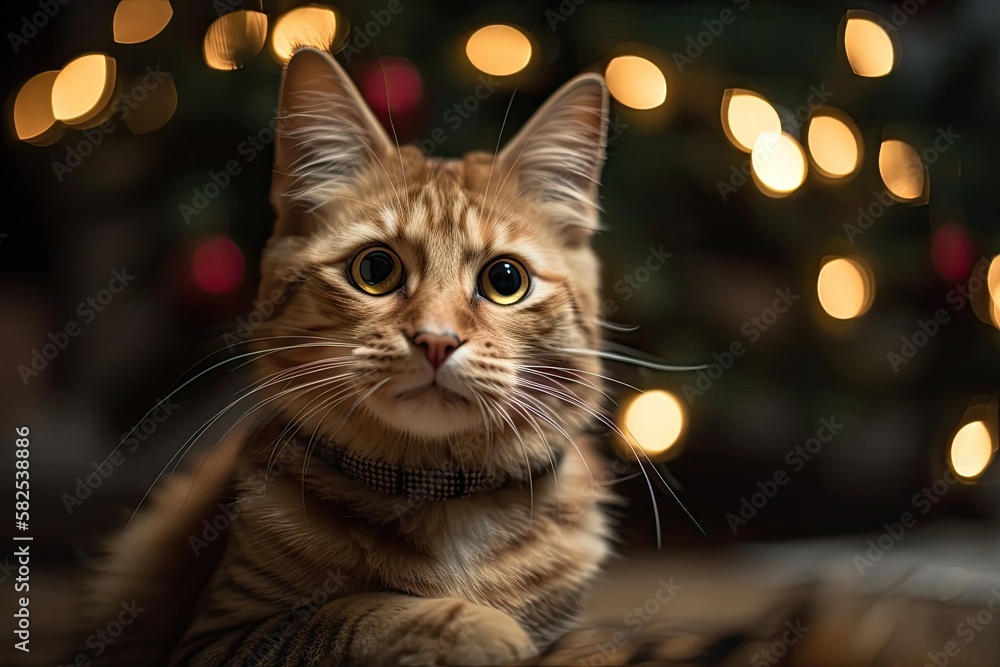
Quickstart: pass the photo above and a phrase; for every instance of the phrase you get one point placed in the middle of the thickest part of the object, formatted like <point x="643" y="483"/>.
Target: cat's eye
<point x="377" y="270"/>
<point x="504" y="281"/>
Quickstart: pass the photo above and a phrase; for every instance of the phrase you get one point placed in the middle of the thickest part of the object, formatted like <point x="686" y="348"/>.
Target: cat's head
<point x="431" y="296"/>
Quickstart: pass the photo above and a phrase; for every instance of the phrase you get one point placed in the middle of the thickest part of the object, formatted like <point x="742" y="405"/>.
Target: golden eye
<point x="377" y="270"/>
<point x="504" y="281"/>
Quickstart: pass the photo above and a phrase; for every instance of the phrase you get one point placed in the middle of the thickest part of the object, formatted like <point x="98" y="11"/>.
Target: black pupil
<point x="376" y="267"/>
<point x="504" y="278"/>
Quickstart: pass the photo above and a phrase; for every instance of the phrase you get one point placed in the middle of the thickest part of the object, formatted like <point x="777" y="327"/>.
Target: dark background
<point x="120" y="207"/>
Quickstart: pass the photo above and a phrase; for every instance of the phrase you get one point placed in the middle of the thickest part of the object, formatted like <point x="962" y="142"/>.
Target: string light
<point x="845" y="287"/>
<point x="869" y="48"/>
<point x="745" y="116"/>
<point x="901" y="169"/>
<point x="636" y="82"/>
<point x="499" y="50"/>
<point x="83" y="88"/>
<point x="140" y="20"/>
<point x="834" y="144"/>
<point x="234" y="37"/>
<point x="654" y="422"/>
<point x="303" y="26"/>
<point x="971" y="450"/>
<point x="778" y="163"/>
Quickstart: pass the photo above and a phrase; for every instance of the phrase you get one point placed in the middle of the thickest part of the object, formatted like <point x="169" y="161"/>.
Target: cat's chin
<point x="429" y="410"/>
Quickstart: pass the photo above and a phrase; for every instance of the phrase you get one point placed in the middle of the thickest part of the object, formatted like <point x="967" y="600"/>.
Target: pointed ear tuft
<point x="558" y="155"/>
<point x="325" y="136"/>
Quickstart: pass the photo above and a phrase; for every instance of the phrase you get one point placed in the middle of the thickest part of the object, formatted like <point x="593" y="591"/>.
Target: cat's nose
<point x="437" y="346"/>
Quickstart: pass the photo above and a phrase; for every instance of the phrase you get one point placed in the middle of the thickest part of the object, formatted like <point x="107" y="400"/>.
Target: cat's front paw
<point x="462" y="633"/>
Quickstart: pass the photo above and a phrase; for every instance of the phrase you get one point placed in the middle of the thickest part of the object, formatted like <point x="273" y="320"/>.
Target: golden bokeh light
<point x="993" y="281"/>
<point x="654" y="422"/>
<point x="971" y="450"/>
<point x="139" y="20"/>
<point x="636" y="82"/>
<point x="902" y="170"/>
<point x="303" y="26"/>
<point x="834" y="145"/>
<point x="845" y="287"/>
<point x="869" y="48"/>
<point x="778" y="163"/>
<point x="33" y="119"/>
<point x="83" y="88"/>
<point x="233" y="38"/>
<point x="156" y="109"/>
<point x="745" y="115"/>
<point x="499" y="50"/>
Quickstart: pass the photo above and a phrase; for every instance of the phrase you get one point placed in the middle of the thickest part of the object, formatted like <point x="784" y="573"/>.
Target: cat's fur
<point x="319" y="569"/>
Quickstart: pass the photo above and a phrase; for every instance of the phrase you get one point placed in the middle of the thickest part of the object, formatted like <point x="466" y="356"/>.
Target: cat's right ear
<point x="325" y="135"/>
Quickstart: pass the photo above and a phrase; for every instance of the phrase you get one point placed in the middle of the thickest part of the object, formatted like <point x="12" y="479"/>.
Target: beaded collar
<point x="419" y="484"/>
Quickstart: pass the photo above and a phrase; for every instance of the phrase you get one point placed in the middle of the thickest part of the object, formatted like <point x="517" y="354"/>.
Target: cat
<point x="421" y="489"/>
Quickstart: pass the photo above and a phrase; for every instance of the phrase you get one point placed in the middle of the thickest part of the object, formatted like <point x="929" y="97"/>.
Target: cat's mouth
<point x="432" y="390"/>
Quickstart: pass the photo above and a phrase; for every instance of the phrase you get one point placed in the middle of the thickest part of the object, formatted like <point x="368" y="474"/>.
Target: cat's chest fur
<point x="524" y="551"/>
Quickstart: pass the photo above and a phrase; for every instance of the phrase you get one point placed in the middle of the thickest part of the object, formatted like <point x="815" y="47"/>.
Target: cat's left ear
<point x="558" y="155"/>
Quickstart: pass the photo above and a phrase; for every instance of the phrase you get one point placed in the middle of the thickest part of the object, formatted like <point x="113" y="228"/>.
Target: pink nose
<point x="436" y="346"/>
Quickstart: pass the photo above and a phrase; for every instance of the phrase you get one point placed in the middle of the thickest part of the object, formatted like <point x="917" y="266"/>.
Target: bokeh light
<point x="902" y="170"/>
<point x="778" y="163"/>
<point x="83" y="88"/>
<point x="499" y="50"/>
<point x="951" y="251"/>
<point x="971" y="450"/>
<point x="654" y="422"/>
<point x="845" y="287"/>
<point x="218" y="266"/>
<point x="745" y="116"/>
<point x="156" y="109"/>
<point x="303" y="26"/>
<point x="636" y="82"/>
<point x="233" y="38"/>
<point x="392" y="84"/>
<point x="139" y="20"/>
<point x="834" y="144"/>
<point x="869" y="48"/>
<point x="993" y="281"/>
<point x="33" y="119"/>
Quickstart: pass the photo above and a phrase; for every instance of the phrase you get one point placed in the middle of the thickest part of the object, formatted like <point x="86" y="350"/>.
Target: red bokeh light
<point x="951" y="251"/>
<point x="218" y="266"/>
<point x="405" y="88"/>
